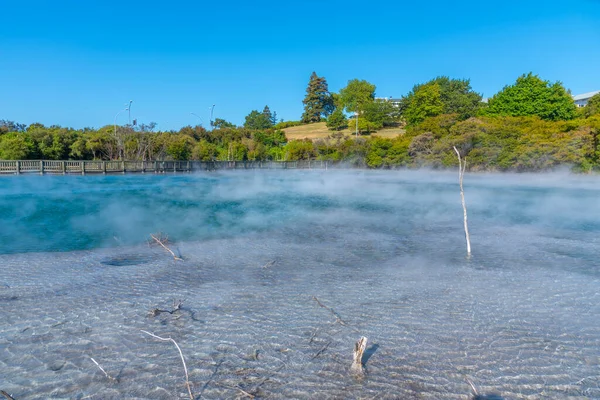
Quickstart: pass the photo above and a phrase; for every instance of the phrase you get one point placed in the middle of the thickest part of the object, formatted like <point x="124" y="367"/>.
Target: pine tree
<point x="318" y="102"/>
<point x="268" y="115"/>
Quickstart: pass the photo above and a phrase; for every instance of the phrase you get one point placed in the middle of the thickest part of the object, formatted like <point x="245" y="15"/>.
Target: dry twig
<point x="176" y="307"/>
<point x="8" y="396"/>
<point x="335" y="314"/>
<point x="187" y="380"/>
<point x="102" y="369"/>
<point x="321" y="351"/>
<point x="161" y="241"/>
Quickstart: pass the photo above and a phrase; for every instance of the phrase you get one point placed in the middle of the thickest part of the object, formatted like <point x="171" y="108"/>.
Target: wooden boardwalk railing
<point x="17" y="167"/>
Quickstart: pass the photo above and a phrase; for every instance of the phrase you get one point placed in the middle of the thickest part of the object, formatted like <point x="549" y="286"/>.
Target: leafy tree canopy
<point x="593" y="106"/>
<point x="337" y="120"/>
<point x="258" y="120"/>
<point x="530" y="95"/>
<point x="220" y="123"/>
<point x="455" y="96"/>
<point x="424" y="101"/>
<point x="356" y="95"/>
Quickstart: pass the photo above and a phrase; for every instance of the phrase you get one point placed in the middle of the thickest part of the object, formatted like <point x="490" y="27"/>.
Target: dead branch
<point x="103" y="371"/>
<point x="359" y="349"/>
<point x="162" y="243"/>
<point x="187" y="380"/>
<point x="8" y="396"/>
<point x="176" y="307"/>
<point x="461" y="174"/>
<point x="321" y="351"/>
<point x="335" y="314"/>
<point x="242" y="391"/>
<point x="312" y="337"/>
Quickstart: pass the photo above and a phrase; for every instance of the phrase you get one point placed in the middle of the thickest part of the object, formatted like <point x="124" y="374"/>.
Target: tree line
<point x="531" y="124"/>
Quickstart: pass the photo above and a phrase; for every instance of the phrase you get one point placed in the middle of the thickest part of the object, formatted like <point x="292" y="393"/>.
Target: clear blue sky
<point x="76" y="63"/>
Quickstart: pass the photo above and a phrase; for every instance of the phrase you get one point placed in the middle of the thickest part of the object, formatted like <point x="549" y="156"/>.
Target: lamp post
<point x="211" y="115"/>
<point x="129" y="109"/>
<point x="196" y="115"/>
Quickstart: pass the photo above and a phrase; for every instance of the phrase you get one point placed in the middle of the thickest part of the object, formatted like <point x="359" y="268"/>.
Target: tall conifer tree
<point x="318" y="102"/>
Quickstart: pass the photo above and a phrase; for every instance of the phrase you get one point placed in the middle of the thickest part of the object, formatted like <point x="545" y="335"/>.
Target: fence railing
<point x="17" y="167"/>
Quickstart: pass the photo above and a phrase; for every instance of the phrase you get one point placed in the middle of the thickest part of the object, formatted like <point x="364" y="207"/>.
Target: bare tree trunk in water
<point x="462" y="166"/>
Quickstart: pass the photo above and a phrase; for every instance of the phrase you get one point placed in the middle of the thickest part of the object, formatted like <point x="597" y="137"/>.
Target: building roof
<point x="585" y="96"/>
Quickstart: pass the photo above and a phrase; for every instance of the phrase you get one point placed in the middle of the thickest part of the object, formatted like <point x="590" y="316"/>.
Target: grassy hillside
<point x="319" y="130"/>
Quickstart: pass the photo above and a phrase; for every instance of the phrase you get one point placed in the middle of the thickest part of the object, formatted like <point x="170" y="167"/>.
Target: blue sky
<point x="76" y="63"/>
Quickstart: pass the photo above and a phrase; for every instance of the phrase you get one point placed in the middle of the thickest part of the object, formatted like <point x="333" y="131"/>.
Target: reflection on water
<point x="385" y="251"/>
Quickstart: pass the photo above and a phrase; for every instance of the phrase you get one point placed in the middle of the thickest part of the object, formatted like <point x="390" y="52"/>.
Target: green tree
<point x="424" y="101"/>
<point x="258" y="120"/>
<point x="530" y="95"/>
<point x="356" y="95"/>
<point x="593" y="106"/>
<point x="337" y="120"/>
<point x="269" y="115"/>
<point x="456" y="95"/>
<point x="380" y="113"/>
<point x="15" y="146"/>
<point x="220" y="123"/>
<point x="318" y="102"/>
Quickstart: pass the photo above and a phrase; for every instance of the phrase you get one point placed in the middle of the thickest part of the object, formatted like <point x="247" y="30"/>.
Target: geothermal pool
<point x="383" y="251"/>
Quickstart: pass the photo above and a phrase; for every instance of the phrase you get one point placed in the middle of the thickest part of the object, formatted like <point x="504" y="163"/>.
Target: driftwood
<point x="8" y="396"/>
<point x="335" y="314"/>
<point x="359" y="349"/>
<point x="103" y="371"/>
<point x="162" y="241"/>
<point x="462" y="166"/>
<point x="187" y="379"/>
<point x="176" y="307"/>
<point x="476" y="396"/>
<point x="269" y="264"/>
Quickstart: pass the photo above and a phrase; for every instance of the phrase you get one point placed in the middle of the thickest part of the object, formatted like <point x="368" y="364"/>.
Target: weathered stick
<point x="187" y="380"/>
<point x="321" y="351"/>
<point x="176" y="307"/>
<point x="166" y="248"/>
<point x="102" y="369"/>
<point x="359" y="349"/>
<point x="336" y="315"/>
<point x="8" y="396"/>
<point x="461" y="173"/>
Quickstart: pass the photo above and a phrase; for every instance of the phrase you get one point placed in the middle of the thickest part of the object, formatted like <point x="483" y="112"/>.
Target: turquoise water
<point x="64" y="213"/>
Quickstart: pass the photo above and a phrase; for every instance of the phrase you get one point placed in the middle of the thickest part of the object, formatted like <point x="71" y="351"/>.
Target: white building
<point x="581" y="100"/>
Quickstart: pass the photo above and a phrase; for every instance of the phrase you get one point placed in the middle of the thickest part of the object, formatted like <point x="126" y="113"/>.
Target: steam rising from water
<point x="384" y="249"/>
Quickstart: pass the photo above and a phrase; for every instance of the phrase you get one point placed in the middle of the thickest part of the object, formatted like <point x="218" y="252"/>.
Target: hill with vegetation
<point x="531" y="125"/>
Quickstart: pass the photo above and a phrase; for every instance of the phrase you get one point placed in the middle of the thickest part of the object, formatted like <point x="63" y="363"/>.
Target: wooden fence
<point x="17" y="167"/>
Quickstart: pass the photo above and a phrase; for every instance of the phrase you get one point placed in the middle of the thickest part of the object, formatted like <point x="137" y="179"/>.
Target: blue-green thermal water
<point x="64" y="213"/>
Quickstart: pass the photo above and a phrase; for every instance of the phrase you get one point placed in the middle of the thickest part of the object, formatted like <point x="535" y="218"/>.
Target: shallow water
<point x="384" y="250"/>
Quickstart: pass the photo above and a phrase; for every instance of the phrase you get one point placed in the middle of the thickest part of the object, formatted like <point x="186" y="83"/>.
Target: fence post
<point x="123" y="166"/>
<point x="18" y="167"/>
<point x="82" y="167"/>
<point x="41" y="167"/>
